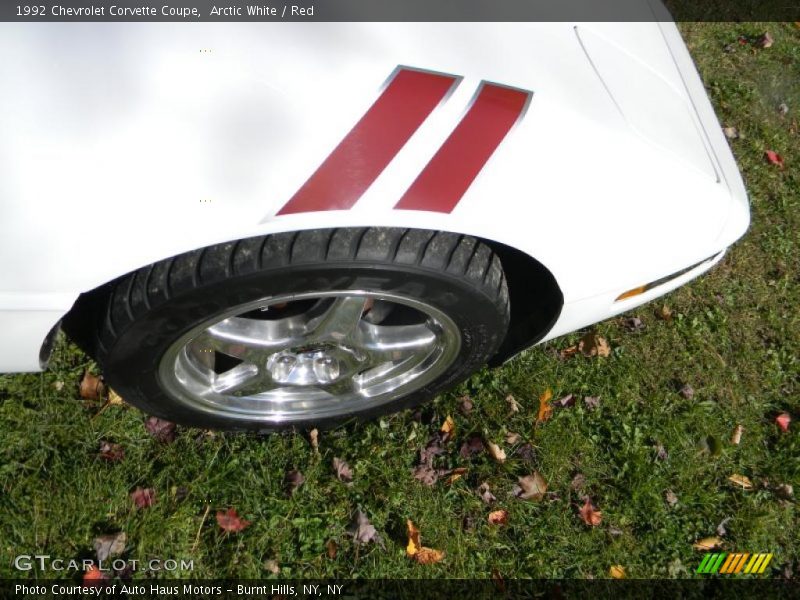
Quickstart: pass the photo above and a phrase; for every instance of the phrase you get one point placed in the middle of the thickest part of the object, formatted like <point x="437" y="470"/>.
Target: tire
<point x="305" y="329"/>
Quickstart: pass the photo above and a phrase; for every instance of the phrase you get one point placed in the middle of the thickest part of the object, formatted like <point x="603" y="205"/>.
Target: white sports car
<point x="261" y="225"/>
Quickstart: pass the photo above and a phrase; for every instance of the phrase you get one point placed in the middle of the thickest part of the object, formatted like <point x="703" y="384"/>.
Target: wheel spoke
<point x="234" y="379"/>
<point x="340" y="321"/>
<point x="250" y="340"/>
<point x="393" y="343"/>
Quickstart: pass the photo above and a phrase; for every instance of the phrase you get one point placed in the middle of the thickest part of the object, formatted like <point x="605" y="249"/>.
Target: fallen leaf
<point x="526" y="452"/>
<point x="589" y="514"/>
<point x="783" y="420"/>
<point x="143" y="497"/>
<point x="566" y="401"/>
<point x="785" y="491"/>
<point x="342" y="470"/>
<point x="496" y="452"/>
<point x="94" y="577"/>
<point x="531" y="487"/>
<point x="416" y="551"/>
<point x="109" y="545"/>
<point x="313" y="436"/>
<point x="465" y="405"/>
<point x="592" y="402"/>
<point x="671" y="498"/>
<point x="740" y="481"/>
<point x="545" y="410"/>
<point x="432" y="449"/>
<point x="455" y="475"/>
<point x="293" y="480"/>
<point x="230" y="521"/>
<point x="513" y="404"/>
<point x="633" y="324"/>
<point x="706" y="544"/>
<point x="731" y="132"/>
<point x="664" y="313"/>
<point x="498" y="581"/>
<point x="114" y="399"/>
<point x="568" y="352"/>
<point x="92" y="387"/>
<point x="617" y="572"/>
<point x="721" y="531"/>
<point x="58" y="385"/>
<point x="592" y="344"/>
<point x="661" y="452"/>
<point x="161" y="430"/>
<point x="774" y="158"/>
<point x="578" y="482"/>
<point x="498" y="517"/>
<point x="425" y="474"/>
<point x="332" y="549"/>
<point x="472" y="445"/>
<point x="272" y="566"/>
<point x="736" y="438"/>
<point x="686" y="391"/>
<point x="111" y="452"/>
<point x="486" y="495"/>
<point x="448" y="428"/>
<point x="363" y="531"/>
<point x="512" y="438"/>
<point x="783" y="109"/>
<point x="764" y="41"/>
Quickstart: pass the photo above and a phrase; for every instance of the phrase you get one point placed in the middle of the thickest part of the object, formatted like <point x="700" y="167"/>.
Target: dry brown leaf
<point x="332" y="549"/>
<point x="314" y="437"/>
<point x="425" y="474"/>
<point x="455" y="475"/>
<point x="589" y="514"/>
<point x="416" y="551"/>
<point x="465" y="405"/>
<point x="764" y="41"/>
<point x="498" y="517"/>
<point x="592" y="344"/>
<point x="161" y="430"/>
<point x="342" y="470"/>
<point x="486" y="495"/>
<point x="363" y="531"/>
<point x="736" y="438"/>
<point x="293" y="480"/>
<point x="114" y="399"/>
<point x="272" y="566"/>
<point x="664" y="313"/>
<point x="513" y="404"/>
<point x="568" y="352"/>
<point x="531" y="487"/>
<point x="110" y="545"/>
<point x="496" y="452"/>
<point x="741" y="482"/>
<point x="472" y="445"/>
<point x="230" y="521"/>
<point x="545" y="409"/>
<point x="617" y="572"/>
<point x="143" y="497"/>
<point x="731" y="132"/>
<point x="708" y="543"/>
<point x="92" y="387"/>
<point x="671" y="498"/>
<point x="111" y="452"/>
<point x="512" y="438"/>
<point x="449" y="427"/>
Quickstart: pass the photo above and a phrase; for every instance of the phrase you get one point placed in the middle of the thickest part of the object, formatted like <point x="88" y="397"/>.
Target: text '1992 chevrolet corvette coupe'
<point x="296" y="224"/>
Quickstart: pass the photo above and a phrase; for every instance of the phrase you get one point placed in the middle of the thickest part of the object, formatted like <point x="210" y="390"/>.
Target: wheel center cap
<point x="311" y="365"/>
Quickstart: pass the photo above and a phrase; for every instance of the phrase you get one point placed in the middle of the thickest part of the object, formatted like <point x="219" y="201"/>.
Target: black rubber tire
<point x="149" y="309"/>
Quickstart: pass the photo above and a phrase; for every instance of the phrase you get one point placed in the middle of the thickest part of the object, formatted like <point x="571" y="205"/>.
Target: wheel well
<point x="536" y="300"/>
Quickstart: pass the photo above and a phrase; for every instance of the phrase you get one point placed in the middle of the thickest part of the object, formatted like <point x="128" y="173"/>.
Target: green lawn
<point x="734" y="337"/>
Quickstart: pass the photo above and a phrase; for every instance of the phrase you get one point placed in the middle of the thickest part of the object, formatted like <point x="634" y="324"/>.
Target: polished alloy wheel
<point x="309" y="356"/>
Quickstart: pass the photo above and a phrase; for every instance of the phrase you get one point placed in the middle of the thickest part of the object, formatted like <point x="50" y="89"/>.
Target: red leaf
<point x="783" y="421"/>
<point x="231" y="521"/>
<point x="143" y="497"/>
<point x="162" y="430"/>
<point x="94" y="577"/>
<point x="111" y="452"/>
<point x="590" y="515"/>
<point x="774" y="158"/>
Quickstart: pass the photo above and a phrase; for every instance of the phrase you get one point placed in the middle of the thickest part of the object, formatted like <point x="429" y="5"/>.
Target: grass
<point x="734" y="337"/>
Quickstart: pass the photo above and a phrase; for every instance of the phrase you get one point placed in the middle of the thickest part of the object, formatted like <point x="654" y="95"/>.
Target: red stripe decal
<point x="457" y="163"/>
<point x="372" y="144"/>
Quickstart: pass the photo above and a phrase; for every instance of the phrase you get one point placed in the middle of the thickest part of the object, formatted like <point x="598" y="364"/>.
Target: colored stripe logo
<point x="735" y="563"/>
<point x="408" y="99"/>
<point x="404" y="105"/>
<point x="455" y="166"/>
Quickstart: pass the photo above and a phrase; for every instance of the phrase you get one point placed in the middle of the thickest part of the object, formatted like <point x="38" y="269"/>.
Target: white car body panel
<point x="123" y="144"/>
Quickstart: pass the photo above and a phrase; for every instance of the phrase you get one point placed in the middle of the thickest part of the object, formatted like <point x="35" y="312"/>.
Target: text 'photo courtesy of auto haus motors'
<point x="298" y="245"/>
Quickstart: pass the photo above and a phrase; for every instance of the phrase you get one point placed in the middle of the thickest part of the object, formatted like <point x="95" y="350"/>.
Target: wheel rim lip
<point x="448" y="346"/>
